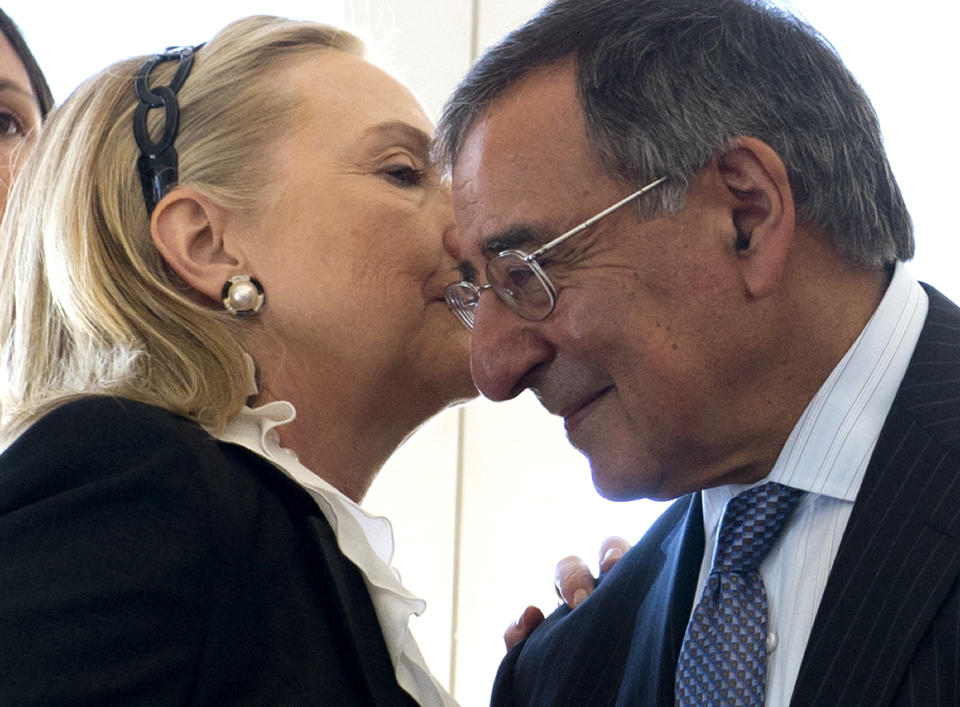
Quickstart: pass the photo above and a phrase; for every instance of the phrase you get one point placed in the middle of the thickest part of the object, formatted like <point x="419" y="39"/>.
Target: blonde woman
<point x="222" y="310"/>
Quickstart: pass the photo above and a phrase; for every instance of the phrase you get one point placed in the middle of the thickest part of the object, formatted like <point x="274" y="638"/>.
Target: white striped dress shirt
<point x="826" y="455"/>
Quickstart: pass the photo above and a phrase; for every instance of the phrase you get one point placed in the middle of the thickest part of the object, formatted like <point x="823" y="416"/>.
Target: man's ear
<point x="763" y="212"/>
<point x="190" y="232"/>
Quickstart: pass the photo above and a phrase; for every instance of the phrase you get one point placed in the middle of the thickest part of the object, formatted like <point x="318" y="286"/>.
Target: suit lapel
<point x="620" y="646"/>
<point x="900" y="552"/>
<point x="661" y="620"/>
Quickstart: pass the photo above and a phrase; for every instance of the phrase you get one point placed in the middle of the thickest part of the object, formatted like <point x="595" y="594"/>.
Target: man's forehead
<point x="522" y="162"/>
<point x="491" y="204"/>
<point x="481" y="215"/>
<point x="541" y="107"/>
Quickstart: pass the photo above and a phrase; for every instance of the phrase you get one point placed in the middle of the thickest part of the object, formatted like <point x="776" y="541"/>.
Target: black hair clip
<point x="157" y="163"/>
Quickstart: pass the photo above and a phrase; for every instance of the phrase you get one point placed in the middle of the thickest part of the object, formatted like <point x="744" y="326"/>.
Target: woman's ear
<point x="762" y="212"/>
<point x="191" y="234"/>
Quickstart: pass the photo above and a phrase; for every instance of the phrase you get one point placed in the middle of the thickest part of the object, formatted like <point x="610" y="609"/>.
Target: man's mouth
<point x="576" y="413"/>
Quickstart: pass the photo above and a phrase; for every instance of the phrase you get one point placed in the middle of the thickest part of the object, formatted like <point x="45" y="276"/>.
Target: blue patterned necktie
<point x="723" y="660"/>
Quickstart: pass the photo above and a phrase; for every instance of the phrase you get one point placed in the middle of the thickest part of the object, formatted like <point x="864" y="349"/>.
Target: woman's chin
<point x="458" y="388"/>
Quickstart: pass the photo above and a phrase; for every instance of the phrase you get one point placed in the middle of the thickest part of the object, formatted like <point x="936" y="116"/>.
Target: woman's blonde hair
<point x="87" y="305"/>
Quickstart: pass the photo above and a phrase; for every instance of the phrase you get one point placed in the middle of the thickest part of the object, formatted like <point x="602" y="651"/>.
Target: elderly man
<point x="730" y="325"/>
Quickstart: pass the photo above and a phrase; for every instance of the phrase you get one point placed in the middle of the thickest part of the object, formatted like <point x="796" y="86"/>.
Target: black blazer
<point x="888" y="628"/>
<point x="144" y="562"/>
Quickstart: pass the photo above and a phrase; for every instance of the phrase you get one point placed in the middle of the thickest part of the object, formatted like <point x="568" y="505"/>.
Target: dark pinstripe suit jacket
<point x="888" y="628"/>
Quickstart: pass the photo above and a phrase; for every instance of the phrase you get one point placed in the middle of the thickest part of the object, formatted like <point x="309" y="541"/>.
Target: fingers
<point x="611" y="550"/>
<point x="573" y="581"/>
<point x="516" y="632"/>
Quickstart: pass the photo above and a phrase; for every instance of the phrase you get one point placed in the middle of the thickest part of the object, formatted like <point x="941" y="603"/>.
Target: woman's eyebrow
<point x="10" y="85"/>
<point x="399" y="131"/>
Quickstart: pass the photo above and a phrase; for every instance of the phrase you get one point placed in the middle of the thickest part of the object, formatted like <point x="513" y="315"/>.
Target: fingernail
<point x="578" y="597"/>
<point x="522" y="621"/>
<point x="611" y="556"/>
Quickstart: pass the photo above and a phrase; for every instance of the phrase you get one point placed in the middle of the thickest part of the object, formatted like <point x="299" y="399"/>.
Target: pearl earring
<point x="242" y="295"/>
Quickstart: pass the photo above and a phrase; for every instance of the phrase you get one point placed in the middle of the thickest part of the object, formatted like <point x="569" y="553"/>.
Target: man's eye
<point x="519" y="276"/>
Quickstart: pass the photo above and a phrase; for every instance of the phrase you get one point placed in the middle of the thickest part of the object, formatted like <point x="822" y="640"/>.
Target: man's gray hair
<point x="666" y="85"/>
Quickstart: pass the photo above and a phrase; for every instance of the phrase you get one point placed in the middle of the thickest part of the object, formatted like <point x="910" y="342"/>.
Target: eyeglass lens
<point x="462" y="299"/>
<point x="521" y="285"/>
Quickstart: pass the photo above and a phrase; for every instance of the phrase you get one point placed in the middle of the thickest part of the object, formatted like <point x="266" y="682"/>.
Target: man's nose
<point x="507" y="352"/>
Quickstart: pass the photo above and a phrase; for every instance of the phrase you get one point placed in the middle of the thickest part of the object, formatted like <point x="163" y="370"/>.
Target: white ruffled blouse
<point x="365" y="539"/>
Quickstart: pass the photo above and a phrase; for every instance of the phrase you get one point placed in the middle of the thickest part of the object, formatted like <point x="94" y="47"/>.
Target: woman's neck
<point x="345" y="429"/>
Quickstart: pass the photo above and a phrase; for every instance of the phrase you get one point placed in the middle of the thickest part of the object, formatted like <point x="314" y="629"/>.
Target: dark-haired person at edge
<point x="25" y="100"/>
<point x="735" y="330"/>
<point x="222" y="311"/>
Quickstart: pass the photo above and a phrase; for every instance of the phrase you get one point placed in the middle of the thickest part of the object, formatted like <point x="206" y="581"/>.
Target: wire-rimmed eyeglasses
<point x="519" y="280"/>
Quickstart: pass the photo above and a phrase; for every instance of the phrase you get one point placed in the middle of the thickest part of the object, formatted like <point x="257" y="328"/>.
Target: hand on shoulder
<point x="573" y="581"/>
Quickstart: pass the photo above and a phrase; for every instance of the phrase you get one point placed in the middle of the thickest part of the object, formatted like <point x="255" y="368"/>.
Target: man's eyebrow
<point x="512" y="238"/>
<point x="468" y="273"/>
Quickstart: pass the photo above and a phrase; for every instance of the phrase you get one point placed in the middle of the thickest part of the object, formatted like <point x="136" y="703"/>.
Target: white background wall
<point x="485" y="499"/>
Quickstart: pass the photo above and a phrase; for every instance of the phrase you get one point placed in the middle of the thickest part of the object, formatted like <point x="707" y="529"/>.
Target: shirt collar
<point x="829" y="448"/>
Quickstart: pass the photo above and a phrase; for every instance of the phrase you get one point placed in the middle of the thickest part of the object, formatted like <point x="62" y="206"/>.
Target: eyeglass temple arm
<point x="593" y="219"/>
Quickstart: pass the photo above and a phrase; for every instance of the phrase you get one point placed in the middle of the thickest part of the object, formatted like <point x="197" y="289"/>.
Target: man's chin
<point x="617" y="483"/>
<point x="614" y="485"/>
